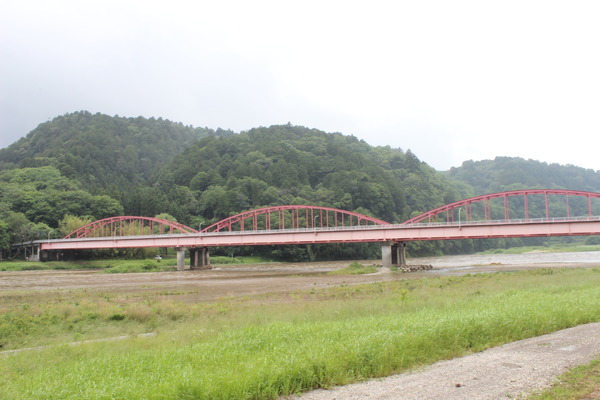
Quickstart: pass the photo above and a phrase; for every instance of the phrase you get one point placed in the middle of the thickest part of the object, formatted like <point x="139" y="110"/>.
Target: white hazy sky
<point x="449" y="80"/>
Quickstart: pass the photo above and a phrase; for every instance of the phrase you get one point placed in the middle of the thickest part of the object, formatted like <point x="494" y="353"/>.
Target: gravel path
<point x="504" y="372"/>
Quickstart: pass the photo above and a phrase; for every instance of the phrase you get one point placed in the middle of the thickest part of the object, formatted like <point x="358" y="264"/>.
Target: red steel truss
<point x="498" y="206"/>
<point x="129" y="226"/>
<point x="292" y="217"/>
<point x="503" y="206"/>
<point x="269" y="218"/>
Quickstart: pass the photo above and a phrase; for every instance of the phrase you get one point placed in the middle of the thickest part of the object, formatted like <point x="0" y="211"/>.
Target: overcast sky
<point x="449" y="80"/>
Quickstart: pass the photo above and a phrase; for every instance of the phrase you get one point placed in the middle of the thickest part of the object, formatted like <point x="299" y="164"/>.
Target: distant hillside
<point x="287" y="164"/>
<point x="104" y="153"/>
<point x="512" y="173"/>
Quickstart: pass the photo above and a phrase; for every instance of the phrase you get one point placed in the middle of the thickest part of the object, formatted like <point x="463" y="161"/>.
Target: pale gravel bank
<point x="505" y="372"/>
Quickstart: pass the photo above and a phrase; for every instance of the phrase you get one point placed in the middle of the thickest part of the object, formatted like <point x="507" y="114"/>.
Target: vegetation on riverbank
<point x="578" y="383"/>
<point x="118" y="265"/>
<point x="264" y="346"/>
<point x="355" y="268"/>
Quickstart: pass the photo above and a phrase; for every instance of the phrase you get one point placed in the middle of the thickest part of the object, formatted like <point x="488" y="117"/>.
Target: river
<point x="502" y="262"/>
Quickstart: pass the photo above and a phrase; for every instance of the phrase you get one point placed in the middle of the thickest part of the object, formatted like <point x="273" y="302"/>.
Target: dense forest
<point x="81" y="166"/>
<point x="511" y="173"/>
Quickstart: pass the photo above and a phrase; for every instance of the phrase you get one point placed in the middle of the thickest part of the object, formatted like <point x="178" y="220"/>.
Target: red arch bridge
<point x="520" y="213"/>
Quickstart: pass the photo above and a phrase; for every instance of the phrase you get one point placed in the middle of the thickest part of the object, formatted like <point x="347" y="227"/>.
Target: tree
<point x="5" y="241"/>
<point x="166" y="216"/>
<point x="70" y="223"/>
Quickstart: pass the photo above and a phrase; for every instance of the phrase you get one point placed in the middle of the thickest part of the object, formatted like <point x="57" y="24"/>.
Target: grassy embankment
<point x="263" y="346"/>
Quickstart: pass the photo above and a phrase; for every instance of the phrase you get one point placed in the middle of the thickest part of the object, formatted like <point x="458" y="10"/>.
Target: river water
<point x="457" y="264"/>
<point x="500" y="262"/>
<point x="512" y="259"/>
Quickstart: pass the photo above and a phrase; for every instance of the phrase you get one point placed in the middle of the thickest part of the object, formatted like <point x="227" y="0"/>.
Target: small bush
<point x="355" y="268"/>
<point x="139" y="312"/>
<point x="131" y="266"/>
<point x="117" y="317"/>
<point x="225" y="260"/>
<point x="149" y="265"/>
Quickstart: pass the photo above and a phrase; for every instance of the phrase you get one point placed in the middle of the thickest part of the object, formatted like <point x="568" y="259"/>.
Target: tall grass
<point x="263" y="349"/>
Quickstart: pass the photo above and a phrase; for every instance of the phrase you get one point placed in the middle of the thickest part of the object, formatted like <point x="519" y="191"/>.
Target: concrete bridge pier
<point x="194" y="258"/>
<point x="35" y="253"/>
<point x="199" y="258"/>
<point x="181" y="258"/>
<point x="393" y="253"/>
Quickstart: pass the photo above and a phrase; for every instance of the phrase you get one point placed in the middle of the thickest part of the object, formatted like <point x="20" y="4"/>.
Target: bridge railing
<point x="505" y="221"/>
<point x="417" y="225"/>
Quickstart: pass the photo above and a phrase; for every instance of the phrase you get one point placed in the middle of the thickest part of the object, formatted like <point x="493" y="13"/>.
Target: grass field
<point x="260" y="347"/>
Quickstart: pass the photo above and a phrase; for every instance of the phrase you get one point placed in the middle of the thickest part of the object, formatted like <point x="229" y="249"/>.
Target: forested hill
<point x="513" y="173"/>
<point x="288" y="164"/>
<point x="103" y="153"/>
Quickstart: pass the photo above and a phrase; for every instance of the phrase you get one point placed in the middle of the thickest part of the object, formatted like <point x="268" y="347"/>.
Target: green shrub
<point x="149" y="265"/>
<point x="355" y="268"/>
<point x="116" y="317"/>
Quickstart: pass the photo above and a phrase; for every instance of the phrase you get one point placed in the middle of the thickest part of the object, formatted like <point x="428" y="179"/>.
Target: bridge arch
<point x="495" y="206"/>
<point x="292" y="217"/>
<point x="129" y="225"/>
<point x="498" y="206"/>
